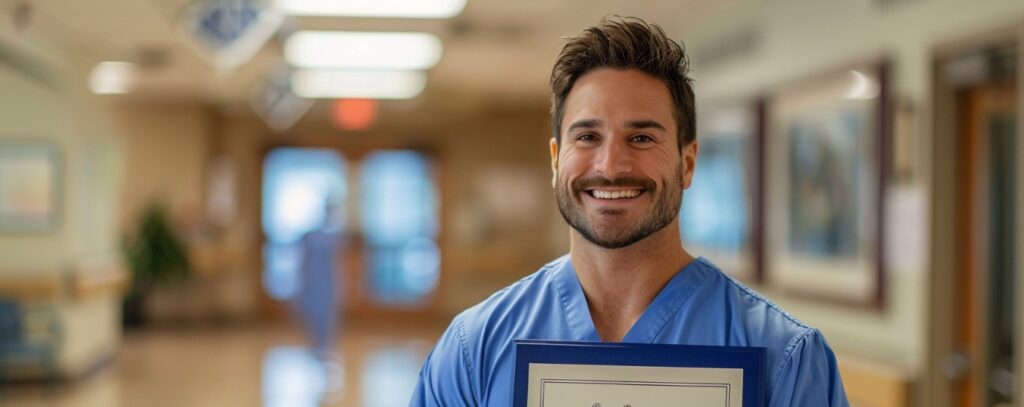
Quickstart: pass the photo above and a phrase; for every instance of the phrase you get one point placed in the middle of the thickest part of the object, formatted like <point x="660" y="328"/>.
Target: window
<point x="399" y="220"/>
<point x="714" y="213"/>
<point x="297" y="184"/>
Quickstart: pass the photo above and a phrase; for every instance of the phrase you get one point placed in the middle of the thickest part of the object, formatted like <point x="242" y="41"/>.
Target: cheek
<point x="565" y="178"/>
<point x="570" y="166"/>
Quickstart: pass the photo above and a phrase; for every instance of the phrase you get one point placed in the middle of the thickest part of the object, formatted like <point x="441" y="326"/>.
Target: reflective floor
<point x="251" y="366"/>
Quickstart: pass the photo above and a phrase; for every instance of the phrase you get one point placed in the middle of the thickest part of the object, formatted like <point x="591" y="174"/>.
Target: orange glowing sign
<point x="355" y="114"/>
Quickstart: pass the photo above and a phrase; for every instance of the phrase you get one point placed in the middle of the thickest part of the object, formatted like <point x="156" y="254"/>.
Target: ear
<point x="689" y="157"/>
<point x="553" y="145"/>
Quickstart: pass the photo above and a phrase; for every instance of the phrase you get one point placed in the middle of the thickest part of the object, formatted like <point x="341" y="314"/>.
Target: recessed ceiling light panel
<point x="362" y="50"/>
<point x="335" y="84"/>
<point x="374" y="8"/>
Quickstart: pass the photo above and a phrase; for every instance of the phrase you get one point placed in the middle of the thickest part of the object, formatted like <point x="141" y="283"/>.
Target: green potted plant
<point x="156" y="254"/>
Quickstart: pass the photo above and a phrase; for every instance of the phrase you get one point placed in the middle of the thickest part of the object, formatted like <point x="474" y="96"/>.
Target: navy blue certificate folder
<point x="751" y="360"/>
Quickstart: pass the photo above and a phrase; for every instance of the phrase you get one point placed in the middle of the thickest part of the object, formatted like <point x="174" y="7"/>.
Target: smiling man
<point x="623" y="151"/>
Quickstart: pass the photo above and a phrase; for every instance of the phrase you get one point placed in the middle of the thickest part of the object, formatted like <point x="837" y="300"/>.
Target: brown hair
<point x="622" y="43"/>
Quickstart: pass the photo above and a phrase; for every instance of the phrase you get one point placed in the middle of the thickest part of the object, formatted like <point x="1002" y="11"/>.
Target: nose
<point x="613" y="159"/>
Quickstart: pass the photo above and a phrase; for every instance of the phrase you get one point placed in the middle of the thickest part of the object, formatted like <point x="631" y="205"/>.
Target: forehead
<point x="618" y="96"/>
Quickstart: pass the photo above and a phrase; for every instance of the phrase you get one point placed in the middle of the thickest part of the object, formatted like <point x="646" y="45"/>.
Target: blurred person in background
<point x="623" y="151"/>
<point x="318" y="301"/>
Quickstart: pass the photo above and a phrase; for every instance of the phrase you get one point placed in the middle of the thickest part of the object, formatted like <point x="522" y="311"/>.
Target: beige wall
<point x="242" y="139"/>
<point x="800" y="38"/>
<point x="166" y="147"/>
<point x="489" y="245"/>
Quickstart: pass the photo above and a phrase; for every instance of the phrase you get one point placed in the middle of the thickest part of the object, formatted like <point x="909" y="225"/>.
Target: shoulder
<point x="479" y="342"/>
<point x="508" y="305"/>
<point x="792" y="345"/>
<point x="763" y="319"/>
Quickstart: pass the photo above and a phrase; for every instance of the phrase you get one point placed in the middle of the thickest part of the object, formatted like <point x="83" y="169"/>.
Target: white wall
<point x="60" y="111"/>
<point x="31" y="111"/>
<point x="55" y="108"/>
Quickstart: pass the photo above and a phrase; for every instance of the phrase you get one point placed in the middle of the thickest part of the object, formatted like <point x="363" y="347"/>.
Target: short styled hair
<point x="624" y="43"/>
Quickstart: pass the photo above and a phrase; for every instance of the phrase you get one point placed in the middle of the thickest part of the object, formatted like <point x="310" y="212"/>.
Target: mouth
<point x="615" y="194"/>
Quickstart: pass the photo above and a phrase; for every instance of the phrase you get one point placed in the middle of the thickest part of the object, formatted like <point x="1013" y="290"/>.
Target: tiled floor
<point x="248" y="366"/>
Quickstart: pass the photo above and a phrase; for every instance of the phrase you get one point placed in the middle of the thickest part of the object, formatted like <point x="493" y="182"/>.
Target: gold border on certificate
<point x="555" y="385"/>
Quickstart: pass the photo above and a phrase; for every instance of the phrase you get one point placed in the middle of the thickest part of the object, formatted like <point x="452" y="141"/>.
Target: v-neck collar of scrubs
<point x="658" y="313"/>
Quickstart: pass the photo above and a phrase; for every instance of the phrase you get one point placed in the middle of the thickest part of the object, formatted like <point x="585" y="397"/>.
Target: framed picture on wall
<point x="826" y="178"/>
<point x="721" y="213"/>
<point x="29" y="190"/>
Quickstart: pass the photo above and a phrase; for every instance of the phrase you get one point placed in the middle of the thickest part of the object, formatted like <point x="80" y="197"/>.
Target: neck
<point x="620" y="283"/>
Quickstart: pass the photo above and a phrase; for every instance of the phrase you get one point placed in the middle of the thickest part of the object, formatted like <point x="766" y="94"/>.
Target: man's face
<point x="619" y="174"/>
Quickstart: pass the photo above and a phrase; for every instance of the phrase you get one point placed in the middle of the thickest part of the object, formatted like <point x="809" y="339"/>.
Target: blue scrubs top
<point x="472" y="364"/>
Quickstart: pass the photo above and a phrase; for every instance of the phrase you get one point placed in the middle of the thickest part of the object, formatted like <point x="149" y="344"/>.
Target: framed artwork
<point x="29" y="186"/>
<point x="826" y="180"/>
<point x="720" y="217"/>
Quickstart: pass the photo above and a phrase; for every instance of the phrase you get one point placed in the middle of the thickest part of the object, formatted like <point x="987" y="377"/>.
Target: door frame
<point x="937" y="386"/>
<point x="357" y="307"/>
<point x="1019" y="334"/>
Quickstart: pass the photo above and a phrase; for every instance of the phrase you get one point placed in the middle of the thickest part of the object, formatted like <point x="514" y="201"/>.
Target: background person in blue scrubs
<point x="623" y="151"/>
<point x="318" y="298"/>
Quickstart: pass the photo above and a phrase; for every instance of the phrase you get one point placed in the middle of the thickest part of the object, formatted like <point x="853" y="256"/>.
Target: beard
<point x="618" y="233"/>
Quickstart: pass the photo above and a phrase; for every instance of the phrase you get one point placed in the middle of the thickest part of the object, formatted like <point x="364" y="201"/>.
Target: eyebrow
<point x="586" y="124"/>
<point x="644" y="124"/>
<point x="632" y="124"/>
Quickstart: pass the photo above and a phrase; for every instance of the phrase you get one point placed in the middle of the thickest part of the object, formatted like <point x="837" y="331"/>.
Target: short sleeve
<point x="445" y="379"/>
<point x="808" y="375"/>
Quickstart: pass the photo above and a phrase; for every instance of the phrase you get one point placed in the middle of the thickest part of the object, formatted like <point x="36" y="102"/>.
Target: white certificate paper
<point x="556" y="385"/>
<point x="600" y="374"/>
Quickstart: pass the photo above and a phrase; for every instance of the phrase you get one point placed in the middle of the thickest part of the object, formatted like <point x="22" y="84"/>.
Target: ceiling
<point x="495" y="49"/>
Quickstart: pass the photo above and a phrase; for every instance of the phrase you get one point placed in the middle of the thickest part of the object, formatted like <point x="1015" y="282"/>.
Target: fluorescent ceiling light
<point x="333" y="84"/>
<point x="111" y="78"/>
<point x="361" y="50"/>
<point x="374" y="8"/>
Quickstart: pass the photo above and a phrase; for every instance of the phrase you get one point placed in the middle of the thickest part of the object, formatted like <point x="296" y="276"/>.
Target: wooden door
<point x="356" y="299"/>
<point x="985" y="219"/>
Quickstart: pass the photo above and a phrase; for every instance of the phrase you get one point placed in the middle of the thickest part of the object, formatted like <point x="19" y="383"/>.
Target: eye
<point x="586" y="137"/>
<point x="642" y="138"/>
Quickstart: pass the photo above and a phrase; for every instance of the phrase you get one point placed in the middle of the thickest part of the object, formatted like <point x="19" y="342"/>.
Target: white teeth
<point x="633" y="193"/>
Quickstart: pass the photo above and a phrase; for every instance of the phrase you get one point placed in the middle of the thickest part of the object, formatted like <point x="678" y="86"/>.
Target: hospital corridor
<point x="290" y="203"/>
